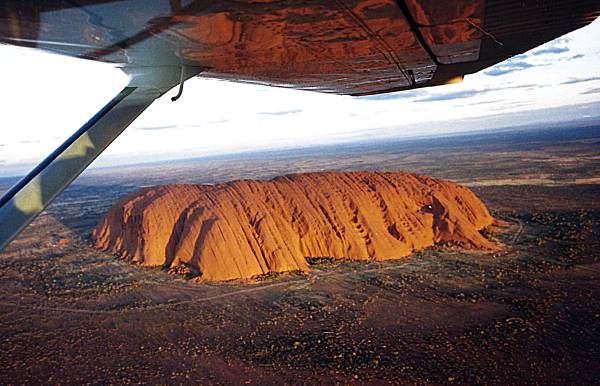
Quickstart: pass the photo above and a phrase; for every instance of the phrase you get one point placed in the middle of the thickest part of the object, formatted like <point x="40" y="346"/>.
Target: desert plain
<point x="527" y="313"/>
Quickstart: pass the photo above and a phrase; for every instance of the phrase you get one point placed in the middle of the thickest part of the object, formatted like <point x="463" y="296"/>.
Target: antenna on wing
<point x="181" y="82"/>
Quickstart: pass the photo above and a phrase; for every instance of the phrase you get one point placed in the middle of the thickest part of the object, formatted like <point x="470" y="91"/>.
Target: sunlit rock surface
<point x="246" y="228"/>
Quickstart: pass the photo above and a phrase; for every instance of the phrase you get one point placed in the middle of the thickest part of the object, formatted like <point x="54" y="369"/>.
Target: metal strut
<point x="30" y="196"/>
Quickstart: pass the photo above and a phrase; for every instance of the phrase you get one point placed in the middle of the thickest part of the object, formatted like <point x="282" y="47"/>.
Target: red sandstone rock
<point x="246" y="228"/>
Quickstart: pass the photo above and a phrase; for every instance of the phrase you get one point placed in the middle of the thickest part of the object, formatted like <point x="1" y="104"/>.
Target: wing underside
<point x="355" y="47"/>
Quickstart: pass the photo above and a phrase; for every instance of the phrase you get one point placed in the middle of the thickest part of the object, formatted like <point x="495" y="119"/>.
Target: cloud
<point x="561" y="40"/>
<point x="527" y="86"/>
<point x="474" y="92"/>
<point x="592" y="91"/>
<point x="158" y="127"/>
<point x="295" y="111"/>
<point x="574" y="57"/>
<point x="210" y="123"/>
<point x="185" y="126"/>
<point x="512" y="105"/>
<point x="520" y="57"/>
<point x="449" y="96"/>
<point x="153" y="128"/>
<point x="550" y="51"/>
<point x="391" y="96"/>
<point x="452" y="95"/>
<point x="508" y="67"/>
<point x="485" y="102"/>
<point x="581" y="80"/>
<point x="517" y="103"/>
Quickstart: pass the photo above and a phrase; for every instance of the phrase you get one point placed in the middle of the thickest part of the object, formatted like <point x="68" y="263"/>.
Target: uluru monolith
<point x="246" y="228"/>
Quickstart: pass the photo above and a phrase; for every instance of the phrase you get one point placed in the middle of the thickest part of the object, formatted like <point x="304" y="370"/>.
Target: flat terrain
<point x="527" y="314"/>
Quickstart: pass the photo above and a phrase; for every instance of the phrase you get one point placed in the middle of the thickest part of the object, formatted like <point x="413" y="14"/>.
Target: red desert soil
<point x="241" y="229"/>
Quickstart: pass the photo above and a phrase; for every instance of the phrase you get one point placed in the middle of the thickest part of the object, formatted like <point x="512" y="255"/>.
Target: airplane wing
<point x="352" y="47"/>
<point x="356" y="47"/>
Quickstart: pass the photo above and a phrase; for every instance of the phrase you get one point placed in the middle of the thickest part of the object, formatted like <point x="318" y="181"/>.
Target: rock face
<point x="246" y="228"/>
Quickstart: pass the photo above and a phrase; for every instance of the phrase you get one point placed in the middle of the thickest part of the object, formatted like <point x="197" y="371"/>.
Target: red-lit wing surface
<point x="353" y="47"/>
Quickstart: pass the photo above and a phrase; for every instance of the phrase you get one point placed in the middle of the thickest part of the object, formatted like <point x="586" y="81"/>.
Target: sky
<point x="41" y="106"/>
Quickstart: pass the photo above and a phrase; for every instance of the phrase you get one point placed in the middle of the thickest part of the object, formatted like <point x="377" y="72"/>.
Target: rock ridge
<point x="246" y="228"/>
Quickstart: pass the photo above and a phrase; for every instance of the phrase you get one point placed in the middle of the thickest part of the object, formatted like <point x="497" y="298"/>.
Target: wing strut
<point x="30" y="196"/>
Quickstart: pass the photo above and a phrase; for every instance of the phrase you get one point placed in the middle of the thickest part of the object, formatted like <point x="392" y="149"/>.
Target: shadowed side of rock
<point x="247" y="228"/>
